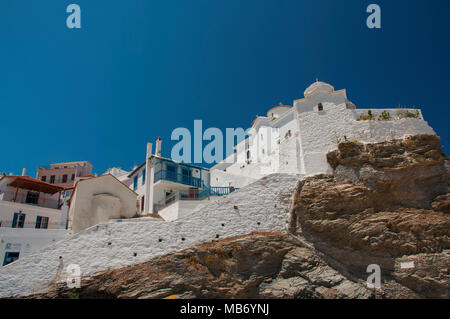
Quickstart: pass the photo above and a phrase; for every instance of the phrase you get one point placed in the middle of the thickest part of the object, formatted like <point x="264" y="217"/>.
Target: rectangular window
<point x="41" y="222"/>
<point x="135" y="182"/>
<point x="143" y="177"/>
<point x="52" y="179"/>
<point x="73" y="177"/>
<point x="32" y="198"/>
<point x="10" y="257"/>
<point x="64" y="180"/>
<point x="18" y="220"/>
<point x="170" y="172"/>
<point x="142" y="203"/>
<point x="43" y="178"/>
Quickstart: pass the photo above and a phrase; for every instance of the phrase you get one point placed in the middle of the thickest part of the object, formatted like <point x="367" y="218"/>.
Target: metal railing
<point x="207" y="192"/>
<point x="173" y="176"/>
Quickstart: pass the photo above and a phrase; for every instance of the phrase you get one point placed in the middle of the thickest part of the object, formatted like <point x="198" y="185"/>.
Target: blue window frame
<point x="135" y="182"/>
<point x="10" y="256"/>
<point x="41" y="222"/>
<point x="143" y="176"/>
<point x="18" y="220"/>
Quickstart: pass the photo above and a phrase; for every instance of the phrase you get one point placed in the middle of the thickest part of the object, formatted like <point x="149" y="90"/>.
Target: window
<point x="135" y="182"/>
<point x="41" y="222"/>
<point x="32" y="198"/>
<point x="73" y="176"/>
<point x="18" y="220"/>
<point x="142" y="203"/>
<point x="170" y="171"/>
<point x="43" y="178"/>
<point x="64" y="180"/>
<point x="320" y="107"/>
<point x="10" y="257"/>
<point x="248" y="154"/>
<point x="52" y="179"/>
<point x="143" y="176"/>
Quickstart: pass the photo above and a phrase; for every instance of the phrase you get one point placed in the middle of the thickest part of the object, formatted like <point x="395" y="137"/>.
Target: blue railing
<point x="210" y="191"/>
<point x="175" y="177"/>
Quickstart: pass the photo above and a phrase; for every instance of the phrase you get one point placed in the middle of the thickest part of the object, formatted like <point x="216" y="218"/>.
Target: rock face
<point x="258" y="265"/>
<point x="386" y="204"/>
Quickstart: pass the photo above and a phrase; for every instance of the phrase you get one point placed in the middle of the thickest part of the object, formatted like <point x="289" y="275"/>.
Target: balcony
<point x="172" y="176"/>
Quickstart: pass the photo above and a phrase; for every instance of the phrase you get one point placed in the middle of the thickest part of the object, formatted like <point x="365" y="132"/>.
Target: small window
<point x="10" y="256"/>
<point x="143" y="176"/>
<point x="142" y="203"/>
<point x="18" y="220"/>
<point x="64" y="179"/>
<point x="135" y="182"/>
<point x="52" y="179"/>
<point x="73" y="177"/>
<point x="44" y="178"/>
<point x="32" y="198"/>
<point x="41" y="222"/>
<point x="248" y="154"/>
<point x="320" y="107"/>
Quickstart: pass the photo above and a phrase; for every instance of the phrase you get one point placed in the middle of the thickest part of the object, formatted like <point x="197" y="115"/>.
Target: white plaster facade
<point x="100" y="199"/>
<point x="295" y="140"/>
<point x="21" y="242"/>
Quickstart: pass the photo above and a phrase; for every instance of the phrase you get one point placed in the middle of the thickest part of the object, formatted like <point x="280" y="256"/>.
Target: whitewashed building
<point x="295" y="139"/>
<point x="32" y="216"/>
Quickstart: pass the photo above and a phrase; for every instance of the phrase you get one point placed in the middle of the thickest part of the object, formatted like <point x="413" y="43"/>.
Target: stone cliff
<point x="385" y="204"/>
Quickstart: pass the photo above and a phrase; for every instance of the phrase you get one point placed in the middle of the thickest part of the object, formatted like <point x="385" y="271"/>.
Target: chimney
<point x="149" y="150"/>
<point x="24" y="171"/>
<point x="158" y="147"/>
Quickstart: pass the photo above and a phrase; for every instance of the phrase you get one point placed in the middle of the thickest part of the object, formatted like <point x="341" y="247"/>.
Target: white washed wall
<point x="261" y="206"/>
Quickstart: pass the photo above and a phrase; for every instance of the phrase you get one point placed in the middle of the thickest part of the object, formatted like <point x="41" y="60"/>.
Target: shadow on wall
<point x="98" y="200"/>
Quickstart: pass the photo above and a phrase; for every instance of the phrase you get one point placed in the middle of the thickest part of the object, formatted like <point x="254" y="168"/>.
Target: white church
<point x="295" y="139"/>
<point x="289" y="139"/>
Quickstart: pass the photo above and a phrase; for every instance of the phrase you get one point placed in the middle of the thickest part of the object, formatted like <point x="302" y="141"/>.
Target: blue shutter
<point x="143" y="177"/>
<point x="38" y="222"/>
<point x="14" y="222"/>
<point x="22" y="220"/>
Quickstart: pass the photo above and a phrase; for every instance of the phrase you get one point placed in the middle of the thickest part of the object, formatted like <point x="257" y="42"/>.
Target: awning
<point x="33" y="184"/>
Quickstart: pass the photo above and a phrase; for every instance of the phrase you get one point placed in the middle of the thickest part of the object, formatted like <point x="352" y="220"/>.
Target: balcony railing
<point x="175" y="177"/>
<point x="208" y="192"/>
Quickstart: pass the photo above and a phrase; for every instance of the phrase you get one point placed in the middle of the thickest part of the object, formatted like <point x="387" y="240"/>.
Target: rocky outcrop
<point x="386" y="204"/>
<point x="258" y="265"/>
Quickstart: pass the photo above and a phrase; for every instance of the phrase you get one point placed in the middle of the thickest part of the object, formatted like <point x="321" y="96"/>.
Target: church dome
<point x="318" y="87"/>
<point x="277" y="111"/>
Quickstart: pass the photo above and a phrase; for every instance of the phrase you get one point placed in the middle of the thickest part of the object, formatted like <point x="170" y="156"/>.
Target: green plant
<point x="384" y="116"/>
<point x="368" y="116"/>
<point x="412" y="115"/>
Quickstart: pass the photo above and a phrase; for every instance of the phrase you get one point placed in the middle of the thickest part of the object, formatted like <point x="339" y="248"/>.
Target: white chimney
<point x="24" y="171"/>
<point x="149" y="150"/>
<point x="158" y="147"/>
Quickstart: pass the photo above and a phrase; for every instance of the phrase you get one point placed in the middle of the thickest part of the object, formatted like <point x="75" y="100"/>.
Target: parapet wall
<point x="260" y="206"/>
<point x="321" y="132"/>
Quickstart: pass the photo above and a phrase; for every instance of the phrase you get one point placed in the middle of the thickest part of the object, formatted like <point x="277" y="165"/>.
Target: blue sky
<point x="137" y="69"/>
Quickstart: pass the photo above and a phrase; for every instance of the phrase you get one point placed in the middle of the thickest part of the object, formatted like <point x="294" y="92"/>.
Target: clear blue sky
<point x="140" y="68"/>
